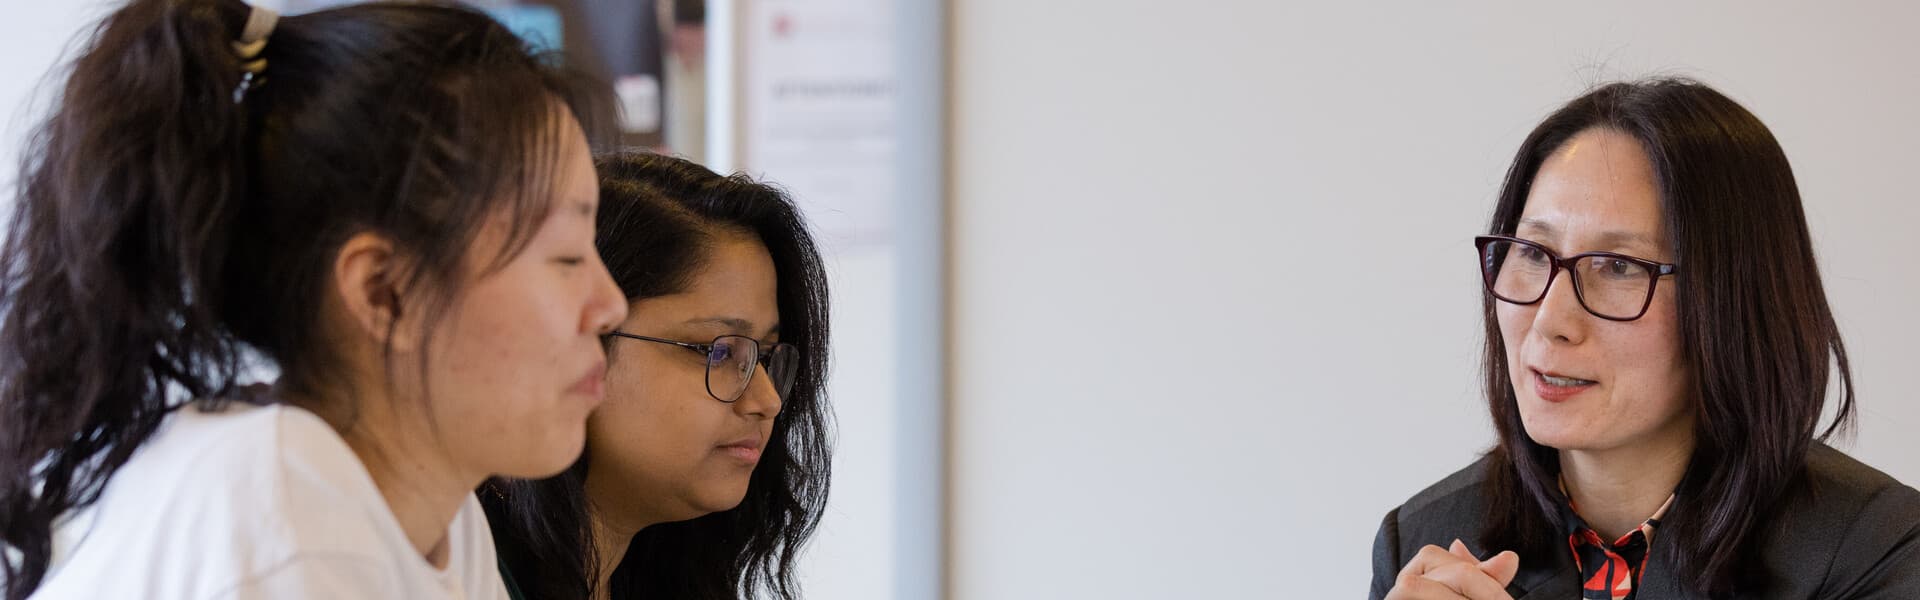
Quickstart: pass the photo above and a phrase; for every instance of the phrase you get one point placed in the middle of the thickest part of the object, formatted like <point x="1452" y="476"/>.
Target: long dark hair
<point x="1755" y="329"/>
<point x="168" y="232"/>
<point x="658" y="217"/>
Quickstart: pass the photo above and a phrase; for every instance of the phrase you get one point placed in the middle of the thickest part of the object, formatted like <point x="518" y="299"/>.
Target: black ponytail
<point x="129" y="213"/>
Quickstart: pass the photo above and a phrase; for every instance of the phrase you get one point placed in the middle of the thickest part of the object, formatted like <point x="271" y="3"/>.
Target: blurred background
<point x="1173" y="299"/>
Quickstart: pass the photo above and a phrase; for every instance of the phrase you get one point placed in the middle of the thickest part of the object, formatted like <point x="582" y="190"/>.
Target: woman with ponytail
<point x="391" y="206"/>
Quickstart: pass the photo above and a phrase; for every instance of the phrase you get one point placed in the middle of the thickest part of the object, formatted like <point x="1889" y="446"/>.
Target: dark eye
<point x="571" y="261"/>
<point x="1616" y="269"/>
<point x="1532" y="254"/>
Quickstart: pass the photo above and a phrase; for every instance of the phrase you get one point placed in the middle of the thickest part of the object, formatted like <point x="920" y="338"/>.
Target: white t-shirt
<point x="256" y="502"/>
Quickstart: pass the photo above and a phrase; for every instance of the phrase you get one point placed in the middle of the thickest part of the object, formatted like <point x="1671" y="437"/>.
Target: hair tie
<point x="253" y="39"/>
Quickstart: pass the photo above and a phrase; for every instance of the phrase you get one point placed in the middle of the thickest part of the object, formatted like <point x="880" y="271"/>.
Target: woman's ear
<point x="365" y="274"/>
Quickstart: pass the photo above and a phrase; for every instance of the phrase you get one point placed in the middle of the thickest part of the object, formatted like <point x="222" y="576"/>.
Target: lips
<point x="593" y="384"/>
<point x="746" y="449"/>
<point x="1558" y="387"/>
<point x="1565" y="381"/>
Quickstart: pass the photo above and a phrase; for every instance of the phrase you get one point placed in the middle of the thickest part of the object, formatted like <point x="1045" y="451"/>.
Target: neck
<point x="1617" y="489"/>
<point x="613" y="530"/>
<point x="420" y="483"/>
<point x="610" y="541"/>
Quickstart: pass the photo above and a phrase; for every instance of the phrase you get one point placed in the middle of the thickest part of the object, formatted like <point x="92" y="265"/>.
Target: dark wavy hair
<point x="658" y="217"/>
<point x="1755" y="330"/>
<point x="168" y="234"/>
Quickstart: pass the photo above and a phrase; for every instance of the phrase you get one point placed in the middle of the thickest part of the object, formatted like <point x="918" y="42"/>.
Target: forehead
<point x="1600" y="184"/>
<point x="736" y="278"/>
<point x="575" y="181"/>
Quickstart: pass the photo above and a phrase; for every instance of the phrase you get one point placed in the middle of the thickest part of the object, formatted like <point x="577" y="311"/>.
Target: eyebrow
<point x="734" y="325"/>
<point x="1609" y="239"/>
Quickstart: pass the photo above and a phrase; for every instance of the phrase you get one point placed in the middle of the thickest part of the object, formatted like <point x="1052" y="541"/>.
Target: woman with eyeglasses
<point x="706" y="470"/>
<point x="1658" y="354"/>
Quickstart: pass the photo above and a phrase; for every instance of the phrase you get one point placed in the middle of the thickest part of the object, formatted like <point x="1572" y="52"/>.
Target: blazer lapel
<point x="1659" y="581"/>
<point x="1562" y="584"/>
<point x="1550" y="578"/>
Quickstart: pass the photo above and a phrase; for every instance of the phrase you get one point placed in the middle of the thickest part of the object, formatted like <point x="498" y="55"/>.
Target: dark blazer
<point x="1847" y="532"/>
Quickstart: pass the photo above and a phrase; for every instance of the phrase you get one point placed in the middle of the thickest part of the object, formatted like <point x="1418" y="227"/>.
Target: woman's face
<point x="517" y="363"/>
<point x="1582" y="382"/>
<point x="662" y="448"/>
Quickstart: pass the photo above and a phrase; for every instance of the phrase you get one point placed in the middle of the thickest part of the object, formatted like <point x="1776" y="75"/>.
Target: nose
<point x="1559" y="317"/>
<point x="606" y="306"/>
<point x="760" y="400"/>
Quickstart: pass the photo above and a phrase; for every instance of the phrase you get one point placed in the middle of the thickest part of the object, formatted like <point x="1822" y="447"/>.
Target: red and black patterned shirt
<point x="1609" y="571"/>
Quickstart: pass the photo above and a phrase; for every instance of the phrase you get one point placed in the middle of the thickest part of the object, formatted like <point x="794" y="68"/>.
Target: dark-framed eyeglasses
<point x="732" y="359"/>
<point x="1612" y="286"/>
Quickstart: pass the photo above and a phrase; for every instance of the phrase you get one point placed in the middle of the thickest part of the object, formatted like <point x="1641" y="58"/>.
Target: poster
<point x="818" y="106"/>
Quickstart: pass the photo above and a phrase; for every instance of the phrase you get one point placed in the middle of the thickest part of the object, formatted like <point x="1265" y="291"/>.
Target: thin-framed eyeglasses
<point x="731" y="361"/>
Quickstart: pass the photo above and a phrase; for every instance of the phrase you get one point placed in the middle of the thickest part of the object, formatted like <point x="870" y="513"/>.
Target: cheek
<point x="499" y="346"/>
<point x="1650" y="368"/>
<point x="519" y="318"/>
<point x="502" y="366"/>
<point x="629" y="441"/>
<point x="653" y="415"/>
<point x="530" y="297"/>
<point x="1515" y="321"/>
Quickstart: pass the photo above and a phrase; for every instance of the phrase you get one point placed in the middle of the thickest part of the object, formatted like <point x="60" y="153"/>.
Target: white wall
<point x="33" y="36"/>
<point x="36" y="41"/>
<point x="1141" y="188"/>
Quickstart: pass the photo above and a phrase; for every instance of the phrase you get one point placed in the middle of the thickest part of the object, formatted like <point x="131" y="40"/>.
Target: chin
<point x="725" y="500"/>
<point x="1564" y="440"/>
<point x="1554" y="433"/>
<point x="544" y="462"/>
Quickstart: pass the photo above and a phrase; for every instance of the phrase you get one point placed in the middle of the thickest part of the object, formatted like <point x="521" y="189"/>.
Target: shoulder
<point x="1848" y="524"/>
<point x="277" y="462"/>
<point x="240" y="460"/>
<point x="1454" y="504"/>
<point x="243" y="439"/>
<point x="1833" y="476"/>
<point x="219" y="496"/>
<point x="1449" y="509"/>
<point x="1837" y="492"/>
